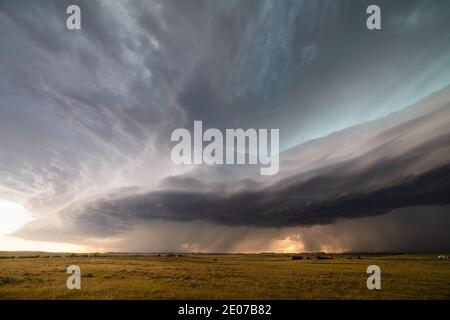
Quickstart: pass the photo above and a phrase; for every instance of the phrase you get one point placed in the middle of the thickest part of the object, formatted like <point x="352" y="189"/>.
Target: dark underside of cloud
<point x="86" y="115"/>
<point x="407" y="164"/>
<point x="320" y="200"/>
<point x="411" y="229"/>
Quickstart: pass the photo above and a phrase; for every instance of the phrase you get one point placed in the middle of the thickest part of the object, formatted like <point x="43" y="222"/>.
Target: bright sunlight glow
<point x="12" y="217"/>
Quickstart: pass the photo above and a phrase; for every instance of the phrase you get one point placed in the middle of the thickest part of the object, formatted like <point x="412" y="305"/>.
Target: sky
<point x="86" y="118"/>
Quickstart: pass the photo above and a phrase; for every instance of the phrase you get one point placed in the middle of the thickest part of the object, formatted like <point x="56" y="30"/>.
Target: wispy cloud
<point x="86" y="117"/>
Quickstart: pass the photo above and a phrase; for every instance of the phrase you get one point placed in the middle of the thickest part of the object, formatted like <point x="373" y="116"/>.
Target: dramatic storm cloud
<point x="364" y="118"/>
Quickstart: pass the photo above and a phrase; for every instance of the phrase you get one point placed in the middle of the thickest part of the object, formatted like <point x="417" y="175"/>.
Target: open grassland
<point x="227" y="276"/>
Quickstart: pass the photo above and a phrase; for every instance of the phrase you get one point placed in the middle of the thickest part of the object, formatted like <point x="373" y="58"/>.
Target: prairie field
<point x="38" y="275"/>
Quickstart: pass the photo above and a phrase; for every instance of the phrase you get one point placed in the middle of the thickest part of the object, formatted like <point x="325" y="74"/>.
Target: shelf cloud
<point x="364" y="117"/>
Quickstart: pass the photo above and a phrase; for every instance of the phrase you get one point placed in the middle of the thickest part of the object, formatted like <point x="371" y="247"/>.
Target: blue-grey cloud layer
<point x="86" y="112"/>
<point x="399" y="161"/>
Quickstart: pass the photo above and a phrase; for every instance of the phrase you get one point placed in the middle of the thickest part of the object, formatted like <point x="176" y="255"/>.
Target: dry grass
<point x="259" y="276"/>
